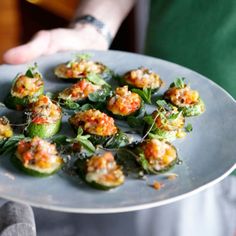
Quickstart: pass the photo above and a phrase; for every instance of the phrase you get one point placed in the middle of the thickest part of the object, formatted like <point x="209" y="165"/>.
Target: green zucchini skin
<point x="80" y="166"/>
<point x="43" y="130"/>
<point x="18" y="164"/>
<point x="193" y="110"/>
<point x="17" y="103"/>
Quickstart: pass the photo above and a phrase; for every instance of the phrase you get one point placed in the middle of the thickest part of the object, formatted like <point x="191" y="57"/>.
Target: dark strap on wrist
<point x="99" y="25"/>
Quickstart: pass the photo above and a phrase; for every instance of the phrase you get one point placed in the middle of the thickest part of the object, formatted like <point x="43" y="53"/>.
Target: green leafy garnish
<point x="145" y="94"/>
<point x="83" y="140"/>
<point x="71" y="104"/>
<point x="135" y="122"/>
<point x="96" y="79"/>
<point x="100" y="95"/>
<point x="161" y="103"/>
<point x="118" y="140"/>
<point x="178" y="83"/>
<point x="83" y="56"/>
<point x="188" y="128"/>
<point x="31" y="70"/>
<point x="8" y="145"/>
<point x="143" y="161"/>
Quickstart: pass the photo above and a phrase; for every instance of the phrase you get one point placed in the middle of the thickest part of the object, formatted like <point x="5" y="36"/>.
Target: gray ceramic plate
<point x="208" y="153"/>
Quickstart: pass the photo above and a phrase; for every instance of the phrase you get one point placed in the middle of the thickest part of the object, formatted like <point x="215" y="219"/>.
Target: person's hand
<point x="51" y="41"/>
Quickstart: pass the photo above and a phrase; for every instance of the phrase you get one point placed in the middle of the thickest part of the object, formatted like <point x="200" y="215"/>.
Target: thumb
<point x="29" y="51"/>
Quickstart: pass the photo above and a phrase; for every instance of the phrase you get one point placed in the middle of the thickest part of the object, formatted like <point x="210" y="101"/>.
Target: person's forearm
<point x="110" y="12"/>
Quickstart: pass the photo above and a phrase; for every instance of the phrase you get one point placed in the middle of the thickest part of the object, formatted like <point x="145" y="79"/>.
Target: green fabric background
<point x="198" y="34"/>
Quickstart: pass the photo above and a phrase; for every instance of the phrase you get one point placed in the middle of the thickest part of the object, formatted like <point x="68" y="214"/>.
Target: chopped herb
<point x="145" y="94"/>
<point x="96" y="79"/>
<point x="100" y="95"/>
<point x="8" y="145"/>
<point x="30" y="71"/>
<point x="178" y="83"/>
<point x="188" y="127"/>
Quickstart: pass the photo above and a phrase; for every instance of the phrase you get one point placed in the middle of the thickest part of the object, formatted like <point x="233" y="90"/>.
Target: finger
<point x="29" y="51"/>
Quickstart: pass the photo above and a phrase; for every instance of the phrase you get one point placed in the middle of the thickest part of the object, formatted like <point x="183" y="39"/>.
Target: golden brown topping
<point x="143" y="78"/>
<point x="5" y="128"/>
<point x="182" y="96"/>
<point x="94" y="122"/>
<point x="38" y="152"/>
<point x="45" y="111"/>
<point x="124" y="102"/>
<point x="26" y="86"/>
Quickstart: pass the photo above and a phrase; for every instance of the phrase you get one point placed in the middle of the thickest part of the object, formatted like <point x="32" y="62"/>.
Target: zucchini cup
<point x="25" y="89"/>
<point x="156" y="156"/>
<point x="80" y="92"/>
<point x="37" y="157"/>
<point x="167" y="123"/>
<point x="125" y="103"/>
<point x="97" y="124"/>
<point x="142" y="78"/>
<point x="45" y="118"/>
<point x="5" y="128"/>
<point x="100" y="171"/>
<point x="186" y="99"/>
<point x="80" y="68"/>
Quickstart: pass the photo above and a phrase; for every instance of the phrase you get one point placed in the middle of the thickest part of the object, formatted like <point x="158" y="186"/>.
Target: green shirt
<point x="198" y="34"/>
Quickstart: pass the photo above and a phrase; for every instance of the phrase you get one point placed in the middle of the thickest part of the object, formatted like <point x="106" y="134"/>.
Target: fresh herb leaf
<point x="143" y="161"/>
<point x="100" y="95"/>
<point x="71" y="105"/>
<point x="179" y="83"/>
<point x="161" y="103"/>
<point x="145" y="94"/>
<point x="8" y="145"/>
<point x="173" y="116"/>
<point x="162" y="135"/>
<point x="59" y="140"/>
<point x="135" y="122"/>
<point x="83" y="56"/>
<point x="83" y="140"/>
<point x="86" y="107"/>
<point x="96" y="79"/>
<point x="30" y="71"/>
<point x="118" y="140"/>
<point x="188" y="128"/>
<point x="148" y="119"/>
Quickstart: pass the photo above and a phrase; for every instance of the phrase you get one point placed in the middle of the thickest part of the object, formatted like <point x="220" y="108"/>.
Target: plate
<point x="208" y="152"/>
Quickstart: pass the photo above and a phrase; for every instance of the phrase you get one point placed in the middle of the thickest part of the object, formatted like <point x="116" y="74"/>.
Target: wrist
<point x="92" y="22"/>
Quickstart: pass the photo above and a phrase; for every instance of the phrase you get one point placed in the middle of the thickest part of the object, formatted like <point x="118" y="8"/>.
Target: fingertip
<point x="17" y="55"/>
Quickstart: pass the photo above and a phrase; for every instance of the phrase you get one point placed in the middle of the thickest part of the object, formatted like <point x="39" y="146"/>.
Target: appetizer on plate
<point x="5" y="128"/>
<point x="166" y="122"/>
<point x="97" y="124"/>
<point x="25" y="89"/>
<point x="81" y="67"/>
<point x="45" y="118"/>
<point x="156" y="156"/>
<point x="81" y="92"/>
<point x="37" y="157"/>
<point x="100" y="171"/>
<point x="125" y="103"/>
<point x="187" y="100"/>
<point x="142" y="78"/>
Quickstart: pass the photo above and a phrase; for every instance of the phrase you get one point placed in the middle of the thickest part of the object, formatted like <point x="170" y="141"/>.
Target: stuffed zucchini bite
<point x="186" y="99"/>
<point x="79" y="92"/>
<point x="156" y="156"/>
<point x="5" y="128"/>
<point x="124" y="103"/>
<point x="37" y="157"/>
<point x="25" y="89"/>
<point x="142" y="78"/>
<point x="101" y="171"/>
<point x="45" y="118"/>
<point x="98" y="125"/>
<point x="168" y="123"/>
<point x="81" y="68"/>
